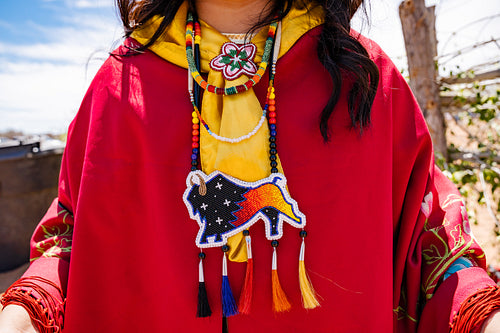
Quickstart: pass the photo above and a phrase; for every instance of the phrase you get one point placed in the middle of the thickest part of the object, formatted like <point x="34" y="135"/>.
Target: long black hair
<point x="340" y="52"/>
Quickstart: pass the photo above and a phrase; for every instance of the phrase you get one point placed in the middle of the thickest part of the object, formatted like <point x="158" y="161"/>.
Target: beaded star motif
<point x="235" y="60"/>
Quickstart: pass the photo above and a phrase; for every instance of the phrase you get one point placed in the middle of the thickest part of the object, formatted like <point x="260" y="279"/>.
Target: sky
<point x="51" y="49"/>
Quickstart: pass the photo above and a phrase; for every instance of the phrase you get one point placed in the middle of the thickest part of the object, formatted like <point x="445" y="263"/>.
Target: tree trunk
<point x="419" y="32"/>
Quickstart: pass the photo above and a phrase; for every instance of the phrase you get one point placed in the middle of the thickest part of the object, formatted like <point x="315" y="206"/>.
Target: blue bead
<point x="194" y="157"/>
<point x="272" y="126"/>
<point x="195" y="150"/>
<point x="273" y="133"/>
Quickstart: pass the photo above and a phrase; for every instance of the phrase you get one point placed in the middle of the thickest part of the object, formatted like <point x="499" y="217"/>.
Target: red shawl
<point x="383" y="223"/>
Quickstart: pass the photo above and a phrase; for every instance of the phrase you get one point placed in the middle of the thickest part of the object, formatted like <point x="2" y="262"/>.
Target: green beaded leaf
<point x="226" y="59"/>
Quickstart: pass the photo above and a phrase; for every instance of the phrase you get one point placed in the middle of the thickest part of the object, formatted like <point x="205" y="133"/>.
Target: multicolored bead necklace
<point x="218" y="219"/>
<point x="192" y="54"/>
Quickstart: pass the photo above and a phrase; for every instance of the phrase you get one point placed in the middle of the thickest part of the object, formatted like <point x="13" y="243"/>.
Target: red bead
<point x="195" y="145"/>
<point x="211" y="88"/>
<point x="272" y="115"/>
<point x="196" y="139"/>
<point x="272" y="120"/>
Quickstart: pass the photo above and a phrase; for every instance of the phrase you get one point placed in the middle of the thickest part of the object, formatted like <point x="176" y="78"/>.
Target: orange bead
<point x="272" y="108"/>
<point x="196" y="132"/>
<point x="271" y="102"/>
<point x="196" y="139"/>
<point x="196" y="126"/>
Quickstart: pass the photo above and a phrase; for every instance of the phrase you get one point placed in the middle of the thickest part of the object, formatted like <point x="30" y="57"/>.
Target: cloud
<point x="83" y="4"/>
<point x="43" y="83"/>
<point x="40" y="97"/>
<point x="89" y="3"/>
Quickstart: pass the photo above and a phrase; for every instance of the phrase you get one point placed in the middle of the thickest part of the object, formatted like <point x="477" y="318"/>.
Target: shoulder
<point x="392" y="84"/>
<point x="126" y="71"/>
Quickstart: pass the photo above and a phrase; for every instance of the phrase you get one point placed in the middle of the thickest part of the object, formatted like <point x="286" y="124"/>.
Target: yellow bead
<point x="196" y="120"/>
<point x="272" y="96"/>
<point x="197" y="39"/>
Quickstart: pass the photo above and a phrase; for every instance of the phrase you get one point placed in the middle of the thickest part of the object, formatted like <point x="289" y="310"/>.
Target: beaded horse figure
<point x="223" y="206"/>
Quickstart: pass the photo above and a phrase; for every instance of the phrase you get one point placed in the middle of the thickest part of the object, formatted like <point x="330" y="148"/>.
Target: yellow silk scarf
<point x="234" y="115"/>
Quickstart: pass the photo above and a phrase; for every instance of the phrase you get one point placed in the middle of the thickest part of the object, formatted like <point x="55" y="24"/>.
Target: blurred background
<point x="51" y="49"/>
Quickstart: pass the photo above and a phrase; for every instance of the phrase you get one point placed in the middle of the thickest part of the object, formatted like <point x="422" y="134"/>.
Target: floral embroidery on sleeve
<point x="54" y="237"/>
<point x="445" y="242"/>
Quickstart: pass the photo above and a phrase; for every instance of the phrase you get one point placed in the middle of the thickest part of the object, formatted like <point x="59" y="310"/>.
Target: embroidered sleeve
<point x="447" y="236"/>
<point x="41" y="289"/>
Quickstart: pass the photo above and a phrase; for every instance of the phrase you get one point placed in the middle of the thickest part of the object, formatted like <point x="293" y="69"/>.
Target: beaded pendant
<point x="224" y="206"/>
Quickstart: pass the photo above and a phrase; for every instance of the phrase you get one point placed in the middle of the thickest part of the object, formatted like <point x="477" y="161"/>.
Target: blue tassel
<point x="229" y="307"/>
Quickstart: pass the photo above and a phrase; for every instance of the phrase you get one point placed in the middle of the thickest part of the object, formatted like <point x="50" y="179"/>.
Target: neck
<point x="232" y="16"/>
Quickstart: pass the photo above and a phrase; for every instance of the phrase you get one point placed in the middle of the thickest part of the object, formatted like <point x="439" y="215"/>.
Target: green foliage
<point x="474" y="154"/>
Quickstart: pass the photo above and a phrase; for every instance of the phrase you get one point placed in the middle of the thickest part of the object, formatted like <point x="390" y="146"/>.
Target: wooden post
<point x="419" y="32"/>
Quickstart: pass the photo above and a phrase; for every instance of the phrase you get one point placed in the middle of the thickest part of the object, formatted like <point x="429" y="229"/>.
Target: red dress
<point x="378" y="242"/>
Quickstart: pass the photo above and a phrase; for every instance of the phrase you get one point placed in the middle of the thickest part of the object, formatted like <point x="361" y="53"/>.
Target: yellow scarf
<point x="234" y="115"/>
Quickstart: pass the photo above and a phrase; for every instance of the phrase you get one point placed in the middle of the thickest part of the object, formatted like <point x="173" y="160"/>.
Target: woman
<point x="176" y="119"/>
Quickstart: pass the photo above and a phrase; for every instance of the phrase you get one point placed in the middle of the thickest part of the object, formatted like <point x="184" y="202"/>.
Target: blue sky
<point x="51" y="49"/>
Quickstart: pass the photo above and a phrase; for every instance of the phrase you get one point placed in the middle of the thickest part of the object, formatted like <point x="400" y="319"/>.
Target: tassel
<point x="229" y="307"/>
<point x="246" y="293"/>
<point x="309" y="299"/>
<point x="280" y="301"/>
<point x="203" y="305"/>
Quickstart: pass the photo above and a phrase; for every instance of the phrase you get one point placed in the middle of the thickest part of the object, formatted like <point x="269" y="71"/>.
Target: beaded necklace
<point x="224" y="206"/>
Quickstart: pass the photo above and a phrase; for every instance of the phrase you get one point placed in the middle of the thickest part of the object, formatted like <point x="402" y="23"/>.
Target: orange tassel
<point x="280" y="301"/>
<point x="246" y="294"/>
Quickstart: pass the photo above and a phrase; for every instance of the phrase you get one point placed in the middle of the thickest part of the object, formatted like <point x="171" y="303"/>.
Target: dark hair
<point x="340" y="53"/>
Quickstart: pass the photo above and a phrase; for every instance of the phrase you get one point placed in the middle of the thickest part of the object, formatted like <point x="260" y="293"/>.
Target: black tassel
<point x="203" y="305"/>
